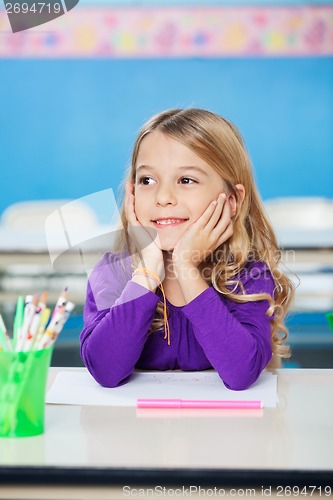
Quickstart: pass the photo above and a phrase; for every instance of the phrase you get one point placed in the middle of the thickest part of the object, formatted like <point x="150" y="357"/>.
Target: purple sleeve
<point x="117" y="316"/>
<point x="236" y="337"/>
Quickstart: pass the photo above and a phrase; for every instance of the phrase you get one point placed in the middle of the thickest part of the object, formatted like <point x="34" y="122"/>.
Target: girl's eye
<point x="146" y="180"/>
<point x="187" y="180"/>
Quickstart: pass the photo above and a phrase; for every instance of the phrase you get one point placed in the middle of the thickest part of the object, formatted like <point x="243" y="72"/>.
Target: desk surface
<point x="290" y="444"/>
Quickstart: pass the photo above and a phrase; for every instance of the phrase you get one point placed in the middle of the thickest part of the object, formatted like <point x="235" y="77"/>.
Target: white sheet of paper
<point x="79" y="388"/>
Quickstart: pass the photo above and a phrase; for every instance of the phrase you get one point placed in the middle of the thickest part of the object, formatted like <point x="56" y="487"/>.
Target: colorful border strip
<point x="175" y="32"/>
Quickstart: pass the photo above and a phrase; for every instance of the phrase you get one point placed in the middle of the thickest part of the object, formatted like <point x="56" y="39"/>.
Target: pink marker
<point x="198" y="403"/>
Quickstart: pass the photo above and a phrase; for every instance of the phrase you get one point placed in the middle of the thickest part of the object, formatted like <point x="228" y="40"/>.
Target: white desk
<point x="113" y="446"/>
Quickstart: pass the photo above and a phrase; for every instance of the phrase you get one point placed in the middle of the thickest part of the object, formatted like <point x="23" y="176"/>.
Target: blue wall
<point x="67" y="126"/>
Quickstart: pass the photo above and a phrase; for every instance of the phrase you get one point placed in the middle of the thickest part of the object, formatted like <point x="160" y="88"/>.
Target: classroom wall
<point x="68" y="124"/>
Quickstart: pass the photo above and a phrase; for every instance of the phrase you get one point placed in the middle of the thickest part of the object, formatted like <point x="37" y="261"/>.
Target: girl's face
<point x="173" y="187"/>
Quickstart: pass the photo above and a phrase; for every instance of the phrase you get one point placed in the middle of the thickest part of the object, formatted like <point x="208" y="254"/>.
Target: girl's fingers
<point x="143" y="237"/>
<point x="129" y="206"/>
<point x="224" y="220"/>
<point x="128" y="191"/>
<point x="218" y="212"/>
<point x="227" y="233"/>
<point x="208" y="213"/>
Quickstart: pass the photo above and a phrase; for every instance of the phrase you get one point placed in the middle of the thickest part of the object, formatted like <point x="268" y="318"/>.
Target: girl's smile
<point x="173" y="187"/>
<point x="168" y="222"/>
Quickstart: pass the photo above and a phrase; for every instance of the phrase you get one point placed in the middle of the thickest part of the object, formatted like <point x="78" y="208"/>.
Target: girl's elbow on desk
<point x="239" y="385"/>
<point x="244" y="377"/>
<point x="106" y="378"/>
<point x="112" y="382"/>
<point x="109" y="379"/>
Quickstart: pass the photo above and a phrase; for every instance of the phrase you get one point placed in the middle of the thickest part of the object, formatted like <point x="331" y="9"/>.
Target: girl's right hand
<point x="145" y="239"/>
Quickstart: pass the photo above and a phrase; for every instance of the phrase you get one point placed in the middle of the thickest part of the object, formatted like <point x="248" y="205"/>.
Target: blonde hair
<point x="218" y="142"/>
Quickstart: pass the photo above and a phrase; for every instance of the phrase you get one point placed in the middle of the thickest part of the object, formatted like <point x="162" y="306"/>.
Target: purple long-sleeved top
<point x="211" y="331"/>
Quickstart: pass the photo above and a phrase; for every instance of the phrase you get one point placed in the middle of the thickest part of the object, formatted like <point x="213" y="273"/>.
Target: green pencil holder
<point x="329" y="317"/>
<point x="23" y="377"/>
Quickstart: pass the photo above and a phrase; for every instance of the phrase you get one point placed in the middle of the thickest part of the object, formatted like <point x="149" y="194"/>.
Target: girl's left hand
<point x="213" y="228"/>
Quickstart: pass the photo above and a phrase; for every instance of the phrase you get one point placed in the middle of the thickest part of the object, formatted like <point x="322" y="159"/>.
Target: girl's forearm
<point x="112" y="342"/>
<point x="235" y="339"/>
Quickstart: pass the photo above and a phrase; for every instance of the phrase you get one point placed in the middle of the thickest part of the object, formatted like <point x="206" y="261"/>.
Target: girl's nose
<point x="165" y="196"/>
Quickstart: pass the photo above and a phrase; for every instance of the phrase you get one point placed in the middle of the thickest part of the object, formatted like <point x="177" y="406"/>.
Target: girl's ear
<point x="239" y="200"/>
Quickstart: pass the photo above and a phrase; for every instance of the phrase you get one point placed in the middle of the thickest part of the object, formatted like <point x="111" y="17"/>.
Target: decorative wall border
<point x="175" y="32"/>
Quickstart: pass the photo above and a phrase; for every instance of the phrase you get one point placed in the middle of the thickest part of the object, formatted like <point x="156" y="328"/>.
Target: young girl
<point x="195" y="281"/>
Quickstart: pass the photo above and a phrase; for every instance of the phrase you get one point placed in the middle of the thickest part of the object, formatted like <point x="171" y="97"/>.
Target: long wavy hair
<point x="218" y="142"/>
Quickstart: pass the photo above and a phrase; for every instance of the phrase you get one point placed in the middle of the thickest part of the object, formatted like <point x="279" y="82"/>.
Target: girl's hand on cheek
<point x="213" y="228"/>
<point x="145" y="239"/>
